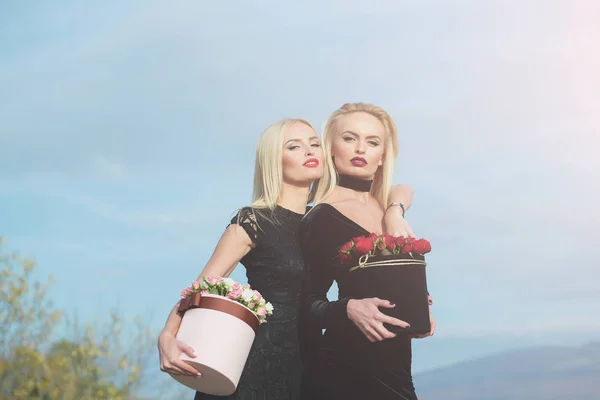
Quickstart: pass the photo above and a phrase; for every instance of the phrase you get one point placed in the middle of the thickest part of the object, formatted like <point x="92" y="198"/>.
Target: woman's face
<point x="358" y="145"/>
<point x="302" y="156"/>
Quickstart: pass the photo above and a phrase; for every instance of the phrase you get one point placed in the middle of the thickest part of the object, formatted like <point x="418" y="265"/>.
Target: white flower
<point x="229" y="283"/>
<point x="269" y="308"/>
<point x="247" y="295"/>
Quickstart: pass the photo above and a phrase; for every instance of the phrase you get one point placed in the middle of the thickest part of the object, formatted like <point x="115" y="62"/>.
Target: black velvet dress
<point x="274" y="268"/>
<point x="343" y="363"/>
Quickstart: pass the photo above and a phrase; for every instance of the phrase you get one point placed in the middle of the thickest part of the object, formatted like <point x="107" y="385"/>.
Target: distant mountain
<point x="537" y="373"/>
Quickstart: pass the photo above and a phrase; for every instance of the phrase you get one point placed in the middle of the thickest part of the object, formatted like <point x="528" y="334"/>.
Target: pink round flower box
<point x="221" y="332"/>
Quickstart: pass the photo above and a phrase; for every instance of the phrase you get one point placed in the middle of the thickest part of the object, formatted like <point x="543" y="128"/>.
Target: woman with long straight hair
<point x="355" y="358"/>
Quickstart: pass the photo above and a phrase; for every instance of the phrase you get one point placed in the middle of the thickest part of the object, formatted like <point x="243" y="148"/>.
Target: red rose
<point x="364" y="245"/>
<point x="427" y="246"/>
<point x="407" y="248"/>
<point x="410" y="239"/>
<point x="389" y="242"/>
<point x="418" y="246"/>
<point x="400" y="240"/>
<point x="346" y="248"/>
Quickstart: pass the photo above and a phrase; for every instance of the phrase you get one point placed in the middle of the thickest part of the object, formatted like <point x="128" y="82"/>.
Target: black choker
<point x="354" y="183"/>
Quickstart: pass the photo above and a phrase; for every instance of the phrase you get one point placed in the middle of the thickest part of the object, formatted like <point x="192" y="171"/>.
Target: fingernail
<point x="392" y="304"/>
<point x="199" y="375"/>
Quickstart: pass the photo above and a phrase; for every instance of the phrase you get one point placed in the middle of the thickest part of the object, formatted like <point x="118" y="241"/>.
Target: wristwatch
<point x="397" y="203"/>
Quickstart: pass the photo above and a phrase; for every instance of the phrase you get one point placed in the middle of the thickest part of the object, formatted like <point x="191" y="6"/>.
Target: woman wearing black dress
<point x="357" y="357"/>
<point x="263" y="237"/>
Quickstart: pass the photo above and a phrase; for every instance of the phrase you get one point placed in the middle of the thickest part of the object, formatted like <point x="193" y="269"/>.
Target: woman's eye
<point x="293" y="147"/>
<point x="348" y="138"/>
<point x="374" y="143"/>
<point x="316" y="145"/>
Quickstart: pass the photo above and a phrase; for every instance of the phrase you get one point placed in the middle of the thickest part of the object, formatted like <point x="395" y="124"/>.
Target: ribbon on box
<point x="220" y="304"/>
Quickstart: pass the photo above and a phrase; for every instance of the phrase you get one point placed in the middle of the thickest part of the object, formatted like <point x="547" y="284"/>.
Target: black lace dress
<point x="343" y="363"/>
<point x="274" y="267"/>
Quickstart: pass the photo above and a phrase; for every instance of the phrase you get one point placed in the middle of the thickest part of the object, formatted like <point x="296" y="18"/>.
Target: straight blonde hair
<point x="383" y="176"/>
<point x="268" y="168"/>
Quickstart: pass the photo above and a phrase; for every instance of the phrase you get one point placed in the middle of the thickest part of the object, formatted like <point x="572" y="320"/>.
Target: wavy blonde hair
<point x="383" y="176"/>
<point x="268" y="168"/>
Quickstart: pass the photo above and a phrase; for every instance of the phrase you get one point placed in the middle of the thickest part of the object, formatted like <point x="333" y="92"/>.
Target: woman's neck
<point x="342" y="193"/>
<point x="351" y="187"/>
<point x="294" y="198"/>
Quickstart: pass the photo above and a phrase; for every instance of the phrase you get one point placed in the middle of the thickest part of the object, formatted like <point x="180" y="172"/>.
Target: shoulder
<point x="315" y="218"/>
<point x="314" y="212"/>
<point x="251" y="220"/>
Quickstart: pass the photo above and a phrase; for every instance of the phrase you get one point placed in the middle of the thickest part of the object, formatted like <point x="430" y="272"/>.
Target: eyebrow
<point x="356" y="134"/>
<point x="297" y="140"/>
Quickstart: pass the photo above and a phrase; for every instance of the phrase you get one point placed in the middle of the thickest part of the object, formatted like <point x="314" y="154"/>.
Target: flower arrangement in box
<point x="390" y="268"/>
<point x="227" y="287"/>
<point x="373" y="245"/>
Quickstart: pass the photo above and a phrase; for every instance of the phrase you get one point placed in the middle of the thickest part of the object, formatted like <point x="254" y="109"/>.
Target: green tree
<point x="89" y="363"/>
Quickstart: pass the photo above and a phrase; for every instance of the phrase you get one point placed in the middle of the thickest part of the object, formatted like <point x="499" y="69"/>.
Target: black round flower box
<point x="399" y="278"/>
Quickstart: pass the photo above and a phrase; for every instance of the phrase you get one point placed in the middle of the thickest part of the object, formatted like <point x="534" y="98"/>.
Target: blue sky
<point x="127" y="138"/>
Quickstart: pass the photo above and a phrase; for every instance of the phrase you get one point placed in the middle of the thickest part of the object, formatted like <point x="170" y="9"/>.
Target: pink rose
<point x="262" y="311"/>
<point x="212" y="280"/>
<point x="196" y="285"/>
<point x="187" y="292"/>
<point x="235" y="294"/>
<point x="236" y="286"/>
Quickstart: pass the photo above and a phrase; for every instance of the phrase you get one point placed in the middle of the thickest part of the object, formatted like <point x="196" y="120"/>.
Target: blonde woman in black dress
<point x="357" y="357"/>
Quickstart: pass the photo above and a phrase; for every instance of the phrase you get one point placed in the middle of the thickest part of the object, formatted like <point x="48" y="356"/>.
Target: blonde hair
<point x="383" y="176"/>
<point x="268" y="169"/>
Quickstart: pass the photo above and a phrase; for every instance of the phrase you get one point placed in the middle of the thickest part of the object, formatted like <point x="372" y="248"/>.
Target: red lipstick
<point x="358" y="162"/>
<point x="311" y="163"/>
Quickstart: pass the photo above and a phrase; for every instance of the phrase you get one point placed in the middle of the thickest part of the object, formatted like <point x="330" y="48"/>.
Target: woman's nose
<point x="360" y="149"/>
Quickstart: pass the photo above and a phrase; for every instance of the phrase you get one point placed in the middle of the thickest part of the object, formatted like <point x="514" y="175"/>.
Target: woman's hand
<point x="395" y="224"/>
<point x="169" y="350"/>
<point x="366" y="316"/>
<point x="393" y="220"/>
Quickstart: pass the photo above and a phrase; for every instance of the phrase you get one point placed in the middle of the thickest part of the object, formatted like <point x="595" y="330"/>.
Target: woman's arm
<point x="399" y="201"/>
<point x="234" y="244"/>
<point x="231" y="248"/>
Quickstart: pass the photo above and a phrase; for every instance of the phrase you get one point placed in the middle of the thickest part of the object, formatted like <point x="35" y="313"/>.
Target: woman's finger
<point x="383" y="332"/>
<point x="374" y="334"/>
<point x="185" y="368"/>
<point x="386" y="319"/>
